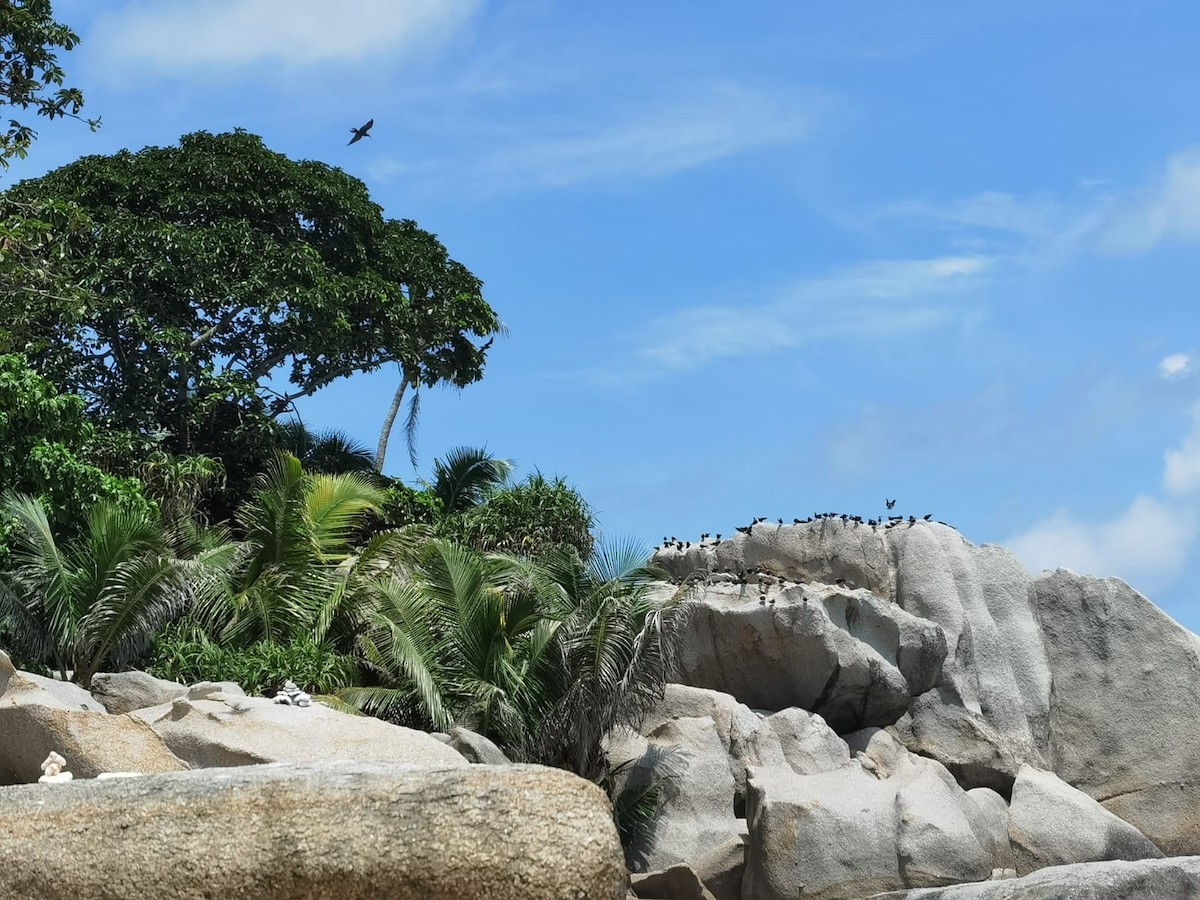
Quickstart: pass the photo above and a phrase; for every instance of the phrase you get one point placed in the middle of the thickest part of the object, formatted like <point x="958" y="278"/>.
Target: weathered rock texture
<point x="240" y="731"/>
<point x="122" y="692"/>
<point x="475" y="748"/>
<point x="1051" y="823"/>
<point x="1152" y="879"/>
<point x="346" y="830"/>
<point x="38" y="715"/>
<point x="889" y="820"/>
<point x="24" y="689"/>
<point x="1124" y="704"/>
<point x="963" y="655"/>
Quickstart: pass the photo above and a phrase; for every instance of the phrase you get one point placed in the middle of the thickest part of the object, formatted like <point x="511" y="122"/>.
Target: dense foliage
<point x="224" y="281"/>
<point x="160" y="314"/>
<point x="30" y="75"/>
<point x="49" y="449"/>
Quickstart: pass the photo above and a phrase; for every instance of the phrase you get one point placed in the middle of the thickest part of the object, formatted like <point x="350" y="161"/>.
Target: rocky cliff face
<point x="962" y="655"/>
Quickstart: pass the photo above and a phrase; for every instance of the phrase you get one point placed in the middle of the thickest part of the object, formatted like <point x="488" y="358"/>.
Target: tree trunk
<point x="386" y="432"/>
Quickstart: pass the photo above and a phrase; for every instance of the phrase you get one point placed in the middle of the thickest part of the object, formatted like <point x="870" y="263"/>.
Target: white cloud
<point x="705" y="124"/>
<point x="1181" y="474"/>
<point x="1175" y="365"/>
<point x="881" y="297"/>
<point x="289" y="32"/>
<point x="1166" y="211"/>
<point x="1148" y="542"/>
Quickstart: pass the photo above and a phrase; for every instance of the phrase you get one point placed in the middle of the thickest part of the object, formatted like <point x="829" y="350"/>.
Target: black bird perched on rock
<point x="891" y="504"/>
<point x="718" y="538"/>
<point x="912" y="520"/>
<point x="927" y="516"/>
<point x="781" y="521"/>
<point x="759" y="519"/>
<point x="743" y="529"/>
<point x="360" y="133"/>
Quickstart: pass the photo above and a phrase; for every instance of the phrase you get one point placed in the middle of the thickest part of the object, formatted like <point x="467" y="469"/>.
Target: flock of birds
<point x="885" y="522"/>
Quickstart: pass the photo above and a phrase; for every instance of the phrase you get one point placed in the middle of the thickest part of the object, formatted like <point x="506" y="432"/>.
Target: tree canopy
<point x="223" y="281"/>
<point x="30" y="75"/>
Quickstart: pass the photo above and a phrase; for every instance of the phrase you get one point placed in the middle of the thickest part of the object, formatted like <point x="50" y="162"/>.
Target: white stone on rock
<point x="52" y="770"/>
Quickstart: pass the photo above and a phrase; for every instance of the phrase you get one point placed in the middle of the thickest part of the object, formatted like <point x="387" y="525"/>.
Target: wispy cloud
<point x="993" y="211"/>
<point x="881" y="297"/>
<point x="193" y="33"/>
<point x="1168" y="210"/>
<point x="1181" y="473"/>
<point x="701" y="125"/>
<point x="1130" y="221"/>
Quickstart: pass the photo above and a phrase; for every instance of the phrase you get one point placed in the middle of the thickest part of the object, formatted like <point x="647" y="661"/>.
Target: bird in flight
<point x="360" y="133"/>
<point x="891" y="504"/>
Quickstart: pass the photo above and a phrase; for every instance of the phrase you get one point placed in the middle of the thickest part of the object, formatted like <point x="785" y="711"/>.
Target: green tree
<point x="225" y="281"/>
<point x="465" y="478"/>
<point x="98" y="599"/>
<point x="528" y="518"/>
<point x="49" y="449"/>
<point x="30" y="75"/>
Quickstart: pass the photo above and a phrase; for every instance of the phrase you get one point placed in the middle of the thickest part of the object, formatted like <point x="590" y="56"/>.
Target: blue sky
<point x="765" y="258"/>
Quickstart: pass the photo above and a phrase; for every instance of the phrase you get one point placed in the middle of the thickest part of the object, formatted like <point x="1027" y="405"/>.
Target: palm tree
<point x="99" y="599"/>
<point x="466" y="476"/>
<point x="296" y="531"/>
<point x="617" y="648"/>
<point x="459" y="638"/>
<point x="542" y="656"/>
<point x="330" y="452"/>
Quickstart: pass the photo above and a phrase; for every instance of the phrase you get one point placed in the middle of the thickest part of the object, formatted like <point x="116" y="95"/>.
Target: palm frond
<point x="462" y="479"/>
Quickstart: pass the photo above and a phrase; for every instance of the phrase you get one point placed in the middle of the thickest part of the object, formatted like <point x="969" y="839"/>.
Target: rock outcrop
<point x="963" y="655"/>
<point x="1123" y="705"/>
<point x="910" y="626"/>
<point x="1151" y="879"/>
<point x="850" y="656"/>
<point x="1051" y="823"/>
<point x="900" y="822"/>
<point x="475" y="748"/>
<point x="223" y="731"/>
<point x="286" y="832"/>
<point x="39" y="716"/>
<point x="122" y="692"/>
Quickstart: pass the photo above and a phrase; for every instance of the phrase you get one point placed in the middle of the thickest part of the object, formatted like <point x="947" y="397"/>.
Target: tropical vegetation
<point x="163" y="506"/>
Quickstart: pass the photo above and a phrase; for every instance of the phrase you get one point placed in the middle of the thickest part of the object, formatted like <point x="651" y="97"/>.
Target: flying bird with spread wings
<point x="360" y="133"/>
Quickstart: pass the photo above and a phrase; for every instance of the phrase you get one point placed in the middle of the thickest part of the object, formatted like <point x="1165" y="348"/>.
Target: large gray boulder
<point x="850" y="656"/>
<point x="686" y="758"/>
<point x="91" y="743"/>
<point x="239" y="731"/>
<point x="1051" y="823"/>
<point x="892" y="821"/>
<point x="122" y="692"/>
<point x="19" y="688"/>
<point x="959" y="667"/>
<point x="1126" y="679"/>
<point x="1151" y="879"/>
<point x="286" y="832"/>
<point x="475" y="748"/>
<point x="40" y="715"/>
